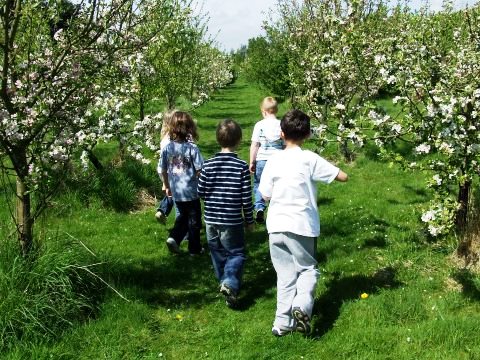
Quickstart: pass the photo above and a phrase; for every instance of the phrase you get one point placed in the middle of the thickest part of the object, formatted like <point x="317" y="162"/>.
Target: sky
<point x="233" y="22"/>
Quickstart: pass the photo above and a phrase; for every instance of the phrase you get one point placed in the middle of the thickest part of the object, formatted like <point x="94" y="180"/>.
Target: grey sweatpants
<point x="293" y="257"/>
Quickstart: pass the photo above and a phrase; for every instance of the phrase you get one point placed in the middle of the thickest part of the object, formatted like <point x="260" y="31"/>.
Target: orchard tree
<point x="267" y="61"/>
<point x="52" y="87"/>
<point x="333" y="71"/>
<point x="434" y="62"/>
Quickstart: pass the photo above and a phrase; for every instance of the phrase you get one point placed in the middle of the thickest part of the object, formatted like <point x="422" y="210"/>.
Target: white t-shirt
<point x="289" y="180"/>
<point x="267" y="133"/>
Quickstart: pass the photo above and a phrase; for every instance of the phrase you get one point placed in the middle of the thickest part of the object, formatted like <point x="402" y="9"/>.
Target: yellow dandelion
<point x="179" y="317"/>
<point x="364" y="296"/>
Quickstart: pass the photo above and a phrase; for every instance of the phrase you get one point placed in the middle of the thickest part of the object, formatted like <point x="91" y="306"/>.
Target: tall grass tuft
<point x="46" y="293"/>
<point x="117" y="186"/>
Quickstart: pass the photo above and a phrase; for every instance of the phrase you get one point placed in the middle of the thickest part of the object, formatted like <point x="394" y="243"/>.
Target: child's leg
<point x="217" y="252"/>
<point x="194" y="223"/>
<point x="232" y="239"/>
<point x="166" y="205"/>
<point x="303" y="250"/>
<point x="259" y="203"/>
<point x="181" y="222"/>
<point x="284" y="265"/>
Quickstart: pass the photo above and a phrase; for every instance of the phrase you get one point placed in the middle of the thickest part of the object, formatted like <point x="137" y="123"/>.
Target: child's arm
<point x="202" y="180"/>
<point x="247" y="206"/>
<point x="166" y="184"/>
<point x="253" y="155"/>
<point x="342" y="177"/>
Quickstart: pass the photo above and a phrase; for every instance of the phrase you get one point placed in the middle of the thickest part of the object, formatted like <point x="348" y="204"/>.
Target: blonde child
<point x="181" y="163"/>
<point x="289" y="183"/>
<point x="166" y="204"/>
<point x="266" y="141"/>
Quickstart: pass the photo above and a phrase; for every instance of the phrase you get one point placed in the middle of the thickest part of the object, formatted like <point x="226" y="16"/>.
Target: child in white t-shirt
<point x="266" y="141"/>
<point x="289" y="183"/>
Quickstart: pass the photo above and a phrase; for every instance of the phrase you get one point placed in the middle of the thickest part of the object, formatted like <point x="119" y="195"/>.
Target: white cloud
<point x="233" y="22"/>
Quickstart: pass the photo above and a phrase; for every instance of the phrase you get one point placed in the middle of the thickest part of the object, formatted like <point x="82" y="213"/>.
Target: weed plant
<point x="46" y="293"/>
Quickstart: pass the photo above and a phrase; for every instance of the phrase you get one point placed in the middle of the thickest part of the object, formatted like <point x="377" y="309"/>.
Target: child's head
<point x="269" y="106"/>
<point x="229" y="133"/>
<point x="295" y="125"/>
<point x="182" y="127"/>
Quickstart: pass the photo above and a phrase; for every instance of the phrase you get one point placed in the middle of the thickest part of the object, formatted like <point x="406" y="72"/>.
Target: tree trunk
<point x="94" y="160"/>
<point x="348" y="154"/>
<point x="142" y="98"/>
<point x="463" y="200"/>
<point x="170" y="102"/>
<point x="24" y="217"/>
<point x="461" y="217"/>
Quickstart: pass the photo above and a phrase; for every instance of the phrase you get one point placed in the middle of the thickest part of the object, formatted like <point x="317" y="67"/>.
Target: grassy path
<point x="370" y="243"/>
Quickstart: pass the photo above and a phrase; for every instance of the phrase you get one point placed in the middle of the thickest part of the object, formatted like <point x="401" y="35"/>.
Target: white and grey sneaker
<point x="302" y="320"/>
<point x="161" y="218"/>
<point x="173" y="246"/>
<point x="231" y="298"/>
<point x="276" y="331"/>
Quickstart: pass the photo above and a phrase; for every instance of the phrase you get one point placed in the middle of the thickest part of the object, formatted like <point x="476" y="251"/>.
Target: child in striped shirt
<point x="225" y="186"/>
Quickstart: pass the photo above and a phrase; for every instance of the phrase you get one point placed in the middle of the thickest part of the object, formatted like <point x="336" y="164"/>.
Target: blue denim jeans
<point x="227" y="249"/>
<point x="188" y="222"/>
<point x="166" y="205"/>
<point x="259" y="203"/>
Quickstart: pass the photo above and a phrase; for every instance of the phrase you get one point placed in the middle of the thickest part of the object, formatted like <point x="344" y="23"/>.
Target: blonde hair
<point x="269" y="105"/>
<point x="166" y="123"/>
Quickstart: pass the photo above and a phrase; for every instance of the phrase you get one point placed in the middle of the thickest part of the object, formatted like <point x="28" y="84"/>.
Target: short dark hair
<point x="229" y="133"/>
<point x="295" y="125"/>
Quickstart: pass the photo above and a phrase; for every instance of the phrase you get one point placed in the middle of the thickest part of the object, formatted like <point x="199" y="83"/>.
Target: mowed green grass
<point x="418" y="306"/>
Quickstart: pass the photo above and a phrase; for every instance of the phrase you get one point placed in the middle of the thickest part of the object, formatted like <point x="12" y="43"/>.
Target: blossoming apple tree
<point x="333" y="66"/>
<point x="54" y="79"/>
<point x="434" y="62"/>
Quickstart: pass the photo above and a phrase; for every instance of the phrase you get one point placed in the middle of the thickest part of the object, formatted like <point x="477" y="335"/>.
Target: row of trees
<point x="341" y="56"/>
<point x="75" y="74"/>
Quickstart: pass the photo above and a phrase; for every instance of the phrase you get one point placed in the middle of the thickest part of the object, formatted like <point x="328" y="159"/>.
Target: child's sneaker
<point x="259" y="217"/>
<point x="302" y="319"/>
<point x="276" y="331"/>
<point x="173" y="246"/>
<point x="202" y="251"/>
<point x="230" y="296"/>
<point x="160" y="216"/>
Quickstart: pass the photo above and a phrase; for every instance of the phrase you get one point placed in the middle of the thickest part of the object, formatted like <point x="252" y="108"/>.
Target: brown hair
<point x="270" y="105"/>
<point x="182" y="127"/>
<point x="229" y="133"/>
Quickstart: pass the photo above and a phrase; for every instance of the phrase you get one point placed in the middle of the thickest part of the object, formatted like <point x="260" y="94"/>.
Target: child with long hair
<point x="181" y="163"/>
<point x="166" y="204"/>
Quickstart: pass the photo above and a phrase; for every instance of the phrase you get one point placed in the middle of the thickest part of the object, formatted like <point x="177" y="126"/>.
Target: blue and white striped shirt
<point x="225" y="185"/>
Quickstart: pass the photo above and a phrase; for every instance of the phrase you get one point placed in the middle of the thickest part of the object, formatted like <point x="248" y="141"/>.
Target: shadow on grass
<point x="470" y="283"/>
<point x="181" y="280"/>
<point x="340" y="289"/>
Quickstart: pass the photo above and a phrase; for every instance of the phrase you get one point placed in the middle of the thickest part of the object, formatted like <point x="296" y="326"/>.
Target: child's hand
<point x="250" y="227"/>
<point x="252" y="167"/>
<point x="168" y="192"/>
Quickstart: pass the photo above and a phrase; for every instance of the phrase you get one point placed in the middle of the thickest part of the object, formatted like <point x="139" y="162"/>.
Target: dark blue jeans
<point x="188" y="221"/>
<point x="227" y="249"/>
<point x="259" y="203"/>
